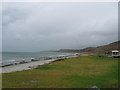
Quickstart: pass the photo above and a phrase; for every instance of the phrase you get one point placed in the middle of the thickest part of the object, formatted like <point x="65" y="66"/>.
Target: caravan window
<point x="115" y="53"/>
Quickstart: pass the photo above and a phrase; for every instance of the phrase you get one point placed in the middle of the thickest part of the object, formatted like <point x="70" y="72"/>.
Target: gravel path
<point x="24" y="66"/>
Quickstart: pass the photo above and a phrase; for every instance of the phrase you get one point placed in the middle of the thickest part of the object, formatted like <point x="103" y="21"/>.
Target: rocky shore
<point x="34" y="63"/>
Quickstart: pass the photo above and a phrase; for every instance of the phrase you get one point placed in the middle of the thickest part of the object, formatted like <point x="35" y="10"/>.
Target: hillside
<point x="100" y="49"/>
<point x="104" y="48"/>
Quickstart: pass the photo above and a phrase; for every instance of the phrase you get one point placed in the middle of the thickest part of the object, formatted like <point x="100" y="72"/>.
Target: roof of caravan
<point x="115" y="50"/>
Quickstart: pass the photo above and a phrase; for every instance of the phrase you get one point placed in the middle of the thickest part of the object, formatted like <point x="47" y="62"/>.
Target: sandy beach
<point x="30" y="65"/>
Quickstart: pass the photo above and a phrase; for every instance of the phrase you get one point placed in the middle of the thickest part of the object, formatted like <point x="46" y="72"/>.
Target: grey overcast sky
<point x="50" y="26"/>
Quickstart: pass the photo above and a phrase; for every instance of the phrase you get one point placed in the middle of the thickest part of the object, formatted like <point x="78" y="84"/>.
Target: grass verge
<point x="78" y="72"/>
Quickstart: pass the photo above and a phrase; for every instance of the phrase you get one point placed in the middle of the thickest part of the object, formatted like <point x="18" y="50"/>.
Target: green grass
<point x="79" y="72"/>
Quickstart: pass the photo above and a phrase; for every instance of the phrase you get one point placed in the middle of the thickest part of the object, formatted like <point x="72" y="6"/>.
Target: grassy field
<point x="79" y="72"/>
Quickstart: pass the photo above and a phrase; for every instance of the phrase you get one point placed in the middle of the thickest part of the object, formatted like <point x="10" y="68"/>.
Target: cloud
<point x="0" y="27"/>
<point x="49" y="26"/>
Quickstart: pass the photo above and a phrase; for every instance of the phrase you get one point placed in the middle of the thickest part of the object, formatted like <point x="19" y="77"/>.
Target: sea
<point x="17" y="57"/>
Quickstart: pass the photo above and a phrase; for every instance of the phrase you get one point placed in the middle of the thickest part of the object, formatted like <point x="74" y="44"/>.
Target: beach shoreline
<point x="33" y="64"/>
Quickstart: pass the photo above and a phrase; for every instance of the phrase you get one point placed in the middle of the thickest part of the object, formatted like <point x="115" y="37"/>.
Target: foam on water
<point x="17" y="57"/>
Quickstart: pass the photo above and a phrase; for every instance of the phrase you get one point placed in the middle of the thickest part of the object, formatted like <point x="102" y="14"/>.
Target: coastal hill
<point x="104" y="48"/>
<point x="100" y="49"/>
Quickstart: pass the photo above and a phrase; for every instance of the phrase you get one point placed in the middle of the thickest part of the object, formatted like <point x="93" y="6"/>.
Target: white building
<point x="115" y="53"/>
